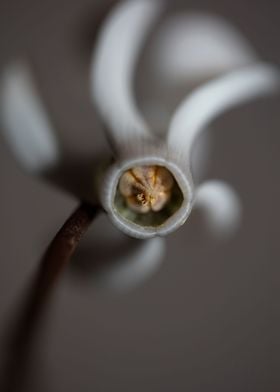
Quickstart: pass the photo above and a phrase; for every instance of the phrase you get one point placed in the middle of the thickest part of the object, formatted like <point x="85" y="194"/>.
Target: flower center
<point x="146" y="188"/>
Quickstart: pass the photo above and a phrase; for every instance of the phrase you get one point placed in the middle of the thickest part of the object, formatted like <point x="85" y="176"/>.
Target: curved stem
<point x="64" y="244"/>
<point x="57" y="256"/>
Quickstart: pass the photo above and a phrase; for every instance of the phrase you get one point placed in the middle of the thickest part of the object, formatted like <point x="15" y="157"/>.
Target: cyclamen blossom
<point x="137" y="149"/>
<point x="149" y="189"/>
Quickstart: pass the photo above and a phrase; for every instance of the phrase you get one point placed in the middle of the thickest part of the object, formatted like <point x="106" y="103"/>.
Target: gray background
<point x="209" y="319"/>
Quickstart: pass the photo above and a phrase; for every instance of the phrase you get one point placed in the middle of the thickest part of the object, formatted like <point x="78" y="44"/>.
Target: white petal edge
<point x="134" y="269"/>
<point x="113" y="67"/>
<point x="221" y="207"/>
<point x="24" y="122"/>
<point x="205" y="103"/>
<point x="191" y="47"/>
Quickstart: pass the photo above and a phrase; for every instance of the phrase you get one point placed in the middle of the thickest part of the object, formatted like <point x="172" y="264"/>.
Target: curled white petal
<point x="191" y="47"/>
<point x="221" y="207"/>
<point x="207" y="102"/>
<point x="135" y="268"/>
<point x="113" y="67"/>
<point x="24" y="122"/>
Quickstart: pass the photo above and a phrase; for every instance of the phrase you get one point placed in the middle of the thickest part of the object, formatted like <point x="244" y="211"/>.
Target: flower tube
<point x="149" y="189"/>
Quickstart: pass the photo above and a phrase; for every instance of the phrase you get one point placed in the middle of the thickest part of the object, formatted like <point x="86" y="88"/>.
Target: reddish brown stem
<point x="57" y="256"/>
<point x="64" y="244"/>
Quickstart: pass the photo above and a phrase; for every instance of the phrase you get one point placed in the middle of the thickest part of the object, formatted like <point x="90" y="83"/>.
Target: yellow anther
<point x="146" y="188"/>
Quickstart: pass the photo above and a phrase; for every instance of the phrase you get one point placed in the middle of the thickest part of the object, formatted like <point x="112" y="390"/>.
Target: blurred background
<point x="209" y="319"/>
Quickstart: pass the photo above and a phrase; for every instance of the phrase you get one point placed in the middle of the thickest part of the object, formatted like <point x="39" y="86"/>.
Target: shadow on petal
<point x="78" y="175"/>
<point x="116" y="261"/>
<point x="135" y="268"/>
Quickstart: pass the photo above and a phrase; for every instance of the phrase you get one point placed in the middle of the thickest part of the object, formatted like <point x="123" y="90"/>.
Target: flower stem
<point x="55" y="259"/>
<point x="64" y="244"/>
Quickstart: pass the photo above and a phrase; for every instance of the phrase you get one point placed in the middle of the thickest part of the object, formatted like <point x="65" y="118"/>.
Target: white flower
<point x="140" y="153"/>
<point x="149" y="189"/>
